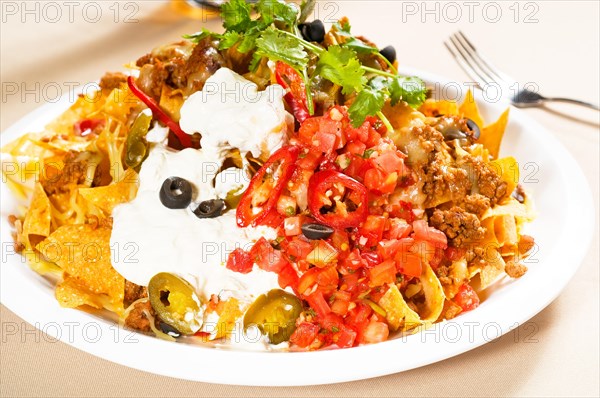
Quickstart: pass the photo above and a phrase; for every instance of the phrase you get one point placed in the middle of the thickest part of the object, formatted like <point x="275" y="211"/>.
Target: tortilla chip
<point x="433" y="108"/>
<point x="470" y="110"/>
<point x="71" y="293"/>
<point x="434" y="294"/>
<point x="83" y="252"/>
<point x="505" y="229"/>
<point x="38" y="219"/>
<point x="493" y="269"/>
<point x="508" y="169"/>
<point x="398" y="313"/>
<point x="108" y="197"/>
<point x="491" y="136"/>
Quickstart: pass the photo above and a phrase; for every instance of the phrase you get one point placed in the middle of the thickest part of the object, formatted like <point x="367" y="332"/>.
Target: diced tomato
<point x="304" y="334"/>
<point x="389" y="248"/>
<point x="346" y="337"/>
<point x="383" y="273"/>
<point x="298" y="248"/>
<point x="266" y="257"/>
<point x="331" y="322"/>
<point x="318" y="303"/>
<point x="240" y="261"/>
<point x="424" y="232"/>
<point x="399" y="228"/>
<point x="356" y="148"/>
<point x="292" y="226"/>
<point x="425" y="249"/>
<point x="466" y="298"/>
<point x="328" y="280"/>
<point x="286" y="206"/>
<point x="454" y="253"/>
<point x="389" y="162"/>
<point x="404" y="211"/>
<point x="409" y="264"/>
<point x="374" y="225"/>
<point x="375" y="332"/>
<point x="308" y="281"/>
<point x="323" y="254"/>
<point x="324" y="142"/>
<point x="340" y="307"/>
<point x="380" y="182"/>
<point x="358" y="317"/>
<point x="288" y="277"/>
<point x="273" y="219"/>
<point x="309" y="160"/>
<point x="340" y="240"/>
<point x="372" y="259"/>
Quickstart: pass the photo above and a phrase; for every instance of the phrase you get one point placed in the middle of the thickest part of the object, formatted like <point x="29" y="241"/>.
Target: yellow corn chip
<point x="508" y="169"/>
<point x="107" y="197"/>
<point x="491" y="136"/>
<point x="505" y="229"/>
<point x="83" y="252"/>
<point x="38" y="219"/>
<point x="71" y="294"/>
<point x="470" y="110"/>
<point x="434" y="294"/>
<point x="433" y="108"/>
<point x="398" y="313"/>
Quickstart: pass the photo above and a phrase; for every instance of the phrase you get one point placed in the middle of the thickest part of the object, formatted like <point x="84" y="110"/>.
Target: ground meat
<point x="519" y="193"/>
<point x="134" y="292"/>
<point x="111" y="80"/>
<point x="137" y="319"/>
<point x="430" y="159"/>
<point x="74" y="172"/>
<point x="476" y="204"/>
<point x="514" y="269"/>
<point x="489" y="183"/>
<point x="460" y="227"/>
<point x="526" y="243"/>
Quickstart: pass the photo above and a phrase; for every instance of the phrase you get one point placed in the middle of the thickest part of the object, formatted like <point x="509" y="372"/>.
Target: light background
<point x="559" y="52"/>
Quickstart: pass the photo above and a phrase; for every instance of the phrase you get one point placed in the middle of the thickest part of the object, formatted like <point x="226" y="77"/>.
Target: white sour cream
<point x="152" y="238"/>
<point x="230" y="112"/>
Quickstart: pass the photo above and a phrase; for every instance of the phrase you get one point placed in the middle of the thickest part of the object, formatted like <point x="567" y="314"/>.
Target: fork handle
<point x="573" y="101"/>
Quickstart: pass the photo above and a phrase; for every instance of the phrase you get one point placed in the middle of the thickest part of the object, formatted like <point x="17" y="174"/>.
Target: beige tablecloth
<point x="49" y="46"/>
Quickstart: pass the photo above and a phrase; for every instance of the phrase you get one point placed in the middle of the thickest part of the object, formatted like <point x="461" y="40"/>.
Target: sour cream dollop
<point x="230" y="112"/>
<point x="148" y="238"/>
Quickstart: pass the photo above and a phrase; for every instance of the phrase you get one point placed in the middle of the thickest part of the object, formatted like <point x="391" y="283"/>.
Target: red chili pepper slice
<point x="159" y="113"/>
<point x="296" y="94"/>
<point x="268" y="182"/>
<point x="324" y="181"/>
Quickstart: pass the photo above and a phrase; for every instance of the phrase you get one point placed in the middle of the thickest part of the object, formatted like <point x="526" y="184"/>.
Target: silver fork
<point x="484" y="74"/>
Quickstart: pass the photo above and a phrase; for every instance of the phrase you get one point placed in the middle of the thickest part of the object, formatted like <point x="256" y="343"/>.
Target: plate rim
<point x="115" y="347"/>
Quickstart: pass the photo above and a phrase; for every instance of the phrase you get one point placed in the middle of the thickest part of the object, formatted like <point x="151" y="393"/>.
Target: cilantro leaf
<point x="409" y="89"/>
<point x="342" y="67"/>
<point x="236" y="15"/>
<point x="229" y="39"/>
<point x="367" y="103"/>
<point x="277" y="11"/>
<point x="278" y="46"/>
<point x="198" y="36"/>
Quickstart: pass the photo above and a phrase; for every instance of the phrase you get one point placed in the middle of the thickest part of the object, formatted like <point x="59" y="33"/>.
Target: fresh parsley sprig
<point x="274" y="35"/>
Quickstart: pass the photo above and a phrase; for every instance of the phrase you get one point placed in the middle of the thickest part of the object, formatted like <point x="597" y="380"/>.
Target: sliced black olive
<point x="313" y="31"/>
<point x="176" y="193"/>
<point x="210" y="208"/>
<point x="389" y="53"/>
<point x="474" y="128"/>
<point x="168" y="329"/>
<point x="316" y="231"/>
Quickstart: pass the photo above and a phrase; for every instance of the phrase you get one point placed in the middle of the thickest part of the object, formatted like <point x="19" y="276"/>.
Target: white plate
<point x="563" y="232"/>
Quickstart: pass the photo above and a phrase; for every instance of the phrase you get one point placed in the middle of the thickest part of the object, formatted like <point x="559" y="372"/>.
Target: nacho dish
<point x="277" y="186"/>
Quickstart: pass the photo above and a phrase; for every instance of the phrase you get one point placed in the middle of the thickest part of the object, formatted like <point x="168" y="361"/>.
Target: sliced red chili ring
<point x="159" y="114"/>
<point x="246" y="213"/>
<point x="296" y="96"/>
<point x="324" y="181"/>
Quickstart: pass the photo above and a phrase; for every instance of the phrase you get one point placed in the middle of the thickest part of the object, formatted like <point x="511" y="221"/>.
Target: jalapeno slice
<point x="275" y="314"/>
<point x="176" y="303"/>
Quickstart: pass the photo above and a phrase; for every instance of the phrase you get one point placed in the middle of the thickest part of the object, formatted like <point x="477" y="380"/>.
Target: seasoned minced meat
<point x="488" y="182"/>
<point x="112" y="80"/>
<point x="134" y="292"/>
<point x="476" y="204"/>
<point x="459" y="226"/>
<point x="73" y="173"/>
<point x="514" y="269"/>
<point x="137" y="319"/>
